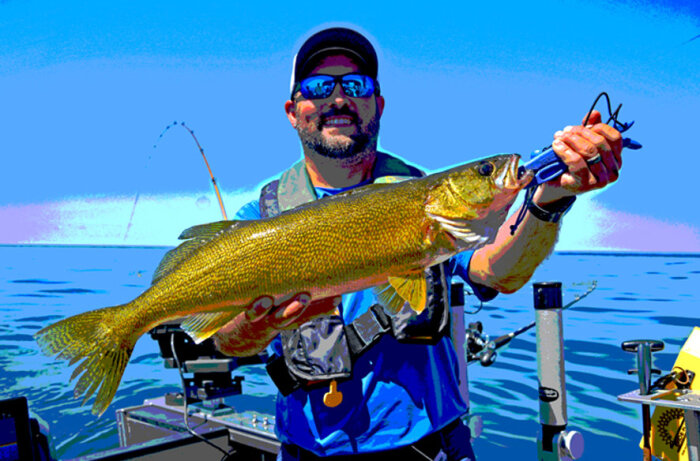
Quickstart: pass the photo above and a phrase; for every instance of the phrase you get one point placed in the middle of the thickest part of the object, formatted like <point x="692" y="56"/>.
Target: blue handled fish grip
<point x="547" y="165"/>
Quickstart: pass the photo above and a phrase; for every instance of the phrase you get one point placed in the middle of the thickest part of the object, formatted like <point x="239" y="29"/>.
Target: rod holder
<point x="550" y="368"/>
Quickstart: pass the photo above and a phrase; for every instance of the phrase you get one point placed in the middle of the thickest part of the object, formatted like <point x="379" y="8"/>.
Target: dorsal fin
<point x="208" y="230"/>
<point x="197" y="236"/>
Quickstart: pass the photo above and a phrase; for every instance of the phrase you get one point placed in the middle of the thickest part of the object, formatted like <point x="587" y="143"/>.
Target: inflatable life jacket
<point x="324" y="348"/>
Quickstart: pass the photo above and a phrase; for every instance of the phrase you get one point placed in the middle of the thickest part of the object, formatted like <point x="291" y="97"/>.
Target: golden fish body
<point x="378" y="235"/>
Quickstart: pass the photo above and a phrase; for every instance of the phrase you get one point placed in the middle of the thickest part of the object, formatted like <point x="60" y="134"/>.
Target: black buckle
<point x="366" y="329"/>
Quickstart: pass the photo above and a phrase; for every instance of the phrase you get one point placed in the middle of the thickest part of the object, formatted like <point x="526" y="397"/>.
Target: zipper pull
<point x="333" y="398"/>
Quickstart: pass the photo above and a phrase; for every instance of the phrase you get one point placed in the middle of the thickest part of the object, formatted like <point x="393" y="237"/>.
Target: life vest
<point x="323" y="349"/>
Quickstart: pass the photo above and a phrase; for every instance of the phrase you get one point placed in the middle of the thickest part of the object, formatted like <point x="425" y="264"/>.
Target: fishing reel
<point x="479" y="345"/>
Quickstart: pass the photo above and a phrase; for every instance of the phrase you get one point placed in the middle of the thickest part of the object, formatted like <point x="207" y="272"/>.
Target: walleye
<point x="380" y="235"/>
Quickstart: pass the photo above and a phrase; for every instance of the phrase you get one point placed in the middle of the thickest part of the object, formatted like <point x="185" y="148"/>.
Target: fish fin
<point x="461" y="230"/>
<point x="209" y="230"/>
<point x="91" y="337"/>
<point x="412" y="288"/>
<point x="173" y="258"/>
<point x="389" y="298"/>
<point x="197" y="237"/>
<point x="202" y="326"/>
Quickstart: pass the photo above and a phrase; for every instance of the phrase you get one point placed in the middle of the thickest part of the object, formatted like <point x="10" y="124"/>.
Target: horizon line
<point x="689" y="254"/>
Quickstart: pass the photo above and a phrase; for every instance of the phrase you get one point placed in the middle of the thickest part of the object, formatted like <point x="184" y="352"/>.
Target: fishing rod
<point x="206" y="162"/>
<point x="211" y="175"/>
<point x="482" y="349"/>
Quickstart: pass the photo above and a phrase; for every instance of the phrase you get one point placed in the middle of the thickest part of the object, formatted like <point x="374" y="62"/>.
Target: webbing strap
<point x="366" y="329"/>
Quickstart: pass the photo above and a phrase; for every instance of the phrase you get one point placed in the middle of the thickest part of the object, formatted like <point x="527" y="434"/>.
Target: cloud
<point x="591" y="226"/>
<point x="157" y="219"/>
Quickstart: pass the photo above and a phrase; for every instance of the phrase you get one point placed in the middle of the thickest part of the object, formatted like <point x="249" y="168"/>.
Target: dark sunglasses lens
<point x="321" y="86"/>
<point x="357" y="86"/>
<point x="317" y="86"/>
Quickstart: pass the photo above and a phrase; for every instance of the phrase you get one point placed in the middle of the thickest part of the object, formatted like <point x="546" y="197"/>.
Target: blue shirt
<point x="398" y="392"/>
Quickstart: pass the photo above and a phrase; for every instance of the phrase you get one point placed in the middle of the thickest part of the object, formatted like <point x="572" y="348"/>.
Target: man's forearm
<point x="509" y="262"/>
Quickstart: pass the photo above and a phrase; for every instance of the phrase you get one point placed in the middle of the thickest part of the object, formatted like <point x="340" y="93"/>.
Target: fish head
<point x="471" y="201"/>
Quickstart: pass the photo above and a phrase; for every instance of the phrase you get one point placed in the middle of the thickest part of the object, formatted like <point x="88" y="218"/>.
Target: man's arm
<point x="509" y="262"/>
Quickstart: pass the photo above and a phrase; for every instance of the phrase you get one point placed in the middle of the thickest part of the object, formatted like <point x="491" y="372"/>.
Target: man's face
<point x="338" y="126"/>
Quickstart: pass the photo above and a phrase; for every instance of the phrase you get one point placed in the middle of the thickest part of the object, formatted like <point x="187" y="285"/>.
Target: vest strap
<point x="280" y="374"/>
<point x="366" y="329"/>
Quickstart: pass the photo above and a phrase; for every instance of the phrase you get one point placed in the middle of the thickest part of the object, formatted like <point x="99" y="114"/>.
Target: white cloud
<point x="157" y="219"/>
<point x="591" y="226"/>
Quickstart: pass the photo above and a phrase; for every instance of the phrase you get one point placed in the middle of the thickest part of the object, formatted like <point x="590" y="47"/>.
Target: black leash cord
<point x="227" y="454"/>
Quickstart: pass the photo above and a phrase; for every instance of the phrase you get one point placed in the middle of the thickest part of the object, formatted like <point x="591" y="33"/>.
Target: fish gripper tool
<point x="547" y="165"/>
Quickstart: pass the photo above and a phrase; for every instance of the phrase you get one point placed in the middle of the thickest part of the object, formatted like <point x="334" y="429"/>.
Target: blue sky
<point x="87" y="87"/>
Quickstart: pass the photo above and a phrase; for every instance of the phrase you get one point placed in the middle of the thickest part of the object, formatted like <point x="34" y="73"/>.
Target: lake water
<point x="637" y="296"/>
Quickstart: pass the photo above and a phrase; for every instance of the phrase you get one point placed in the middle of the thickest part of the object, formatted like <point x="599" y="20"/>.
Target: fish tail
<point x="101" y="342"/>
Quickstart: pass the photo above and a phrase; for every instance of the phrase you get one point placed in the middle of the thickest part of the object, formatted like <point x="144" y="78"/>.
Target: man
<point x="397" y="393"/>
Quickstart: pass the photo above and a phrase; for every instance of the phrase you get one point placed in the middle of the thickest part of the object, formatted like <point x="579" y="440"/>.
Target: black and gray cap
<point x="335" y="40"/>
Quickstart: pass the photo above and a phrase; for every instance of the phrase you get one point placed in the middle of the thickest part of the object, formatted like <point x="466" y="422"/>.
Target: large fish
<point x="381" y="235"/>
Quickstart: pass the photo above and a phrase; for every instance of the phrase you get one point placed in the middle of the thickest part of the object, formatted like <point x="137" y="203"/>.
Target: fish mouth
<point x="524" y="175"/>
<point x="512" y="177"/>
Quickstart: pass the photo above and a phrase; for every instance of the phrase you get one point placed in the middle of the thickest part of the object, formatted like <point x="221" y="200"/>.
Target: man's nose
<point x="338" y="96"/>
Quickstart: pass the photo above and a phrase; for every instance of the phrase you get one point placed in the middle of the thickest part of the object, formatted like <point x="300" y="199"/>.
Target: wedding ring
<point x="594" y="160"/>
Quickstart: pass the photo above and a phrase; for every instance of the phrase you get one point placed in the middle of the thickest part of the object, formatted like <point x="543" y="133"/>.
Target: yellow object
<point x="339" y="244"/>
<point x="333" y="397"/>
<point x="668" y="431"/>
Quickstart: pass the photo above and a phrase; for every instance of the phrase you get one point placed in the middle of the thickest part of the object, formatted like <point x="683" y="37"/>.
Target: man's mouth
<point x="338" y="121"/>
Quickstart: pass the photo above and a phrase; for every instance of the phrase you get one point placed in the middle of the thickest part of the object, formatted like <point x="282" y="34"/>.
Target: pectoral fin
<point x="202" y="326"/>
<point x="412" y="288"/>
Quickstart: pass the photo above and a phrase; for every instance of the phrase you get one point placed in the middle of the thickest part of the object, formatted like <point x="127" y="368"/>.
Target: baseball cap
<point x="334" y="40"/>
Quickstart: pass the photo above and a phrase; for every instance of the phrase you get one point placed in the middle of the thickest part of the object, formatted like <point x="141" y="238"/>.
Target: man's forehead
<point x="334" y="60"/>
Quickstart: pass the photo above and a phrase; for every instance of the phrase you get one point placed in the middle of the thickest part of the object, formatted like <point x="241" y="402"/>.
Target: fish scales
<point x="348" y="242"/>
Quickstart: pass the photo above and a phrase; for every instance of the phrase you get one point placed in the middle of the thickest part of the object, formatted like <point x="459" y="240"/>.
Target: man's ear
<point x="380" y="105"/>
<point x="290" y="109"/>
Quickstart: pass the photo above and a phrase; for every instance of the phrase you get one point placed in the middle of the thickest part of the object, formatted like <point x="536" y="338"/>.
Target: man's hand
<point x="592" y="154"/>
<point x="251" y="331"/>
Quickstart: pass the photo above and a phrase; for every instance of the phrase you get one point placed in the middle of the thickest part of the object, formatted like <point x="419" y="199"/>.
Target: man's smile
<point x="333" y="121"/>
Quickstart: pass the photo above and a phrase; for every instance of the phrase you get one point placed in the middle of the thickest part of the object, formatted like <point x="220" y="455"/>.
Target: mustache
<point x="336" y="112"/>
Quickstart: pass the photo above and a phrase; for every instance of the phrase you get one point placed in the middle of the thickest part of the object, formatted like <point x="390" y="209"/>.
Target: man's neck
<point x="339" y="173"/>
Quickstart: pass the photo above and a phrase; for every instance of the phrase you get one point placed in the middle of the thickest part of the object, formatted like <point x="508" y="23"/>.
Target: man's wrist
<point x="552" y="211"/>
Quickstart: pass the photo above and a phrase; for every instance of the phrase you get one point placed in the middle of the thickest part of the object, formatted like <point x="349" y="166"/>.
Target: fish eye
<point x="485" y="168"/>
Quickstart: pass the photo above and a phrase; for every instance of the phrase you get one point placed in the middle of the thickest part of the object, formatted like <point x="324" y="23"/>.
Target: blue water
<point x="654" y="296"/>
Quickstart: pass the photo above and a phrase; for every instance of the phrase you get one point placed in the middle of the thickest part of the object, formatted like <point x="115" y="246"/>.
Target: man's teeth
<point x="338" y="121"/>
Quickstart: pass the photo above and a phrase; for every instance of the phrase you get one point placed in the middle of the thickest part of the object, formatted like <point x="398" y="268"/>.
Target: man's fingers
<point x="593" y="144"/>
<point x="314" y="309"/>
<point x="614" y="140"/>
<point x="578" y="172"/>
<point x="294" y="308"/>
<point x="592" y="119"/>
<point x="259" y="309"/>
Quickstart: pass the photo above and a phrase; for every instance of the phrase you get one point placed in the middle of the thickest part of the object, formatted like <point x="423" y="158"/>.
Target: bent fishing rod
<point x="206" y="162"/>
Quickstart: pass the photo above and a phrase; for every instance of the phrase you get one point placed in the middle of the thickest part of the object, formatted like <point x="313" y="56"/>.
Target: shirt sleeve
<point x="459" y="266"/>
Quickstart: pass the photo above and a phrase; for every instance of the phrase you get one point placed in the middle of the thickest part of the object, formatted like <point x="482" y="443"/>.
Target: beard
<point x="340" y="147"/>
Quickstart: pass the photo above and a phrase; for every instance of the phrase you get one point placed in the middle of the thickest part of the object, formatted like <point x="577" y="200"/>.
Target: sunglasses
<point x="322" y="86"/>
